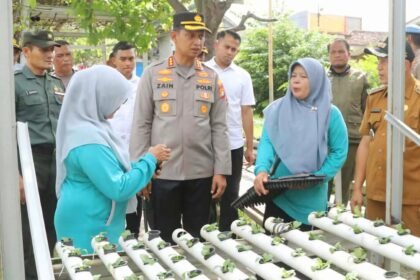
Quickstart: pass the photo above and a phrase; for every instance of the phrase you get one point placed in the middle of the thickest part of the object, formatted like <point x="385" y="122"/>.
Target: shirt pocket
<point x="165" y="102"/>
<point x="33" y="99"/>
<point x="203" y="101"/>
<point x="374" y="120"/>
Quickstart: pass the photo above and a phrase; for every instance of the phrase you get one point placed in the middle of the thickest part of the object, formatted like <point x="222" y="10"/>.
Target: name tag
<point x="31" y="92"/>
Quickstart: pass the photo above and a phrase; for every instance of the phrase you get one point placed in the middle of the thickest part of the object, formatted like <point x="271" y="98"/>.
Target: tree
<point x="289" y="44"/>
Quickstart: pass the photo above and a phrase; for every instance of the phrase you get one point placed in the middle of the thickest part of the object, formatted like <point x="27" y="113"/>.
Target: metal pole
<point x="10" y="224"/>
<point x="270" y="55"/>
<point x="396" y="94"/>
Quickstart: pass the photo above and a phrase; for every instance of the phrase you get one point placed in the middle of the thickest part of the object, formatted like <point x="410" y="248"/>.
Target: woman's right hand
<point x="160" y="152"/>
<point x="259" y="181"/>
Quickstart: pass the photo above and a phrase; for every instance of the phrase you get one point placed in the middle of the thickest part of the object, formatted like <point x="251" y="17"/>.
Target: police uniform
<point x="349" y="95"/>
<point x="184" y="108"/>
<point x="38" y="102"/>
<point x="375" y="126"/>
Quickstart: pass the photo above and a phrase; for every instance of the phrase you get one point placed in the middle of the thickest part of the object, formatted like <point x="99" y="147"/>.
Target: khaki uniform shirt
<point x="415" y="68"/>
<point x="373" y="124"/>
<point x="38" y="102"/>
<point x="349" y="95"/>
<point x="187" y="112"/>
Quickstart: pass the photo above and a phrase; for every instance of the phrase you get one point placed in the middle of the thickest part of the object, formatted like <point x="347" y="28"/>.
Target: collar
<point x="27" y="72"/>
<point x="212" y="62"/>
<point x="345" y="72"/>
<point x="172" y="63"/>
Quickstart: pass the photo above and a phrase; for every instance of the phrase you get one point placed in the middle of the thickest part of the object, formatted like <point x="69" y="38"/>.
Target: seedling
<point x="109" y="248"/>
<point x="266" y="258"/>
<point x="193" y="273"/>
<point x="147" y="260"/>
<point x="208" y="251"/>
<point x="243" y="248"/>
<point x="119" y="263"/>
<point x="288" y="274"/>
<point x="351" y="276"/>
<point x="101" y="237"/>
<point x="336" y="221"/>
<point x="228" y="266"/>
<point x="162" y="244"/>
<point x="384" y="240"/>
<point x="336" y="247"/>
<point x="139" y="245"/>
<point x="320" y="265"/>
<point x="357" y="213"/>
<point x="242" y="222"/>
<point x="378" y="223"/>
<point x="224" y="235"/>
<point x="211" y="227"/>
<point x="319" y="214"/>
<point x="298" y="252"/>
<point x="341" y="208"/>
<point x="127" y="235"/>
<point x="82" y="268"/>
<point x="401" y="230"/>
<point x="191" y="242"/>
<point x="409" y="250"/>
<point x="256" y="228"/>
<point x="133" y="277"/>
<point x="165" y="275"/>
<point x="75" y="253"/>
<point x="177" y="258"/>
<point x="315" y="236"/>
<point x="359" y="255"/>
<point x="357" y="229"/>
<point x="295" y="225"/>
<point x="277" y="240"/>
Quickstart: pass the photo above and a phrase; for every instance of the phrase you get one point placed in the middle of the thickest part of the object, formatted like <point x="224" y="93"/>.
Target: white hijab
<point x="92" y="95"/>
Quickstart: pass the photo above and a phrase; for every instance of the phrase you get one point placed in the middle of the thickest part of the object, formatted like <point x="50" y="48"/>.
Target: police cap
<point x="189" y="21"/>
<point x="381" y="50"/>
<point x="42" y="39"/>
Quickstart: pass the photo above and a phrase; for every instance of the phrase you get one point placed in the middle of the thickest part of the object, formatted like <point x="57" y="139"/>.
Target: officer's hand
<point x="356" y="199"/>
<point x="161" y="152"/>
<point x="249" y="157"/>
<point x="259" y="181"/>
<point x="218" y="186"/>
<point x="21" y="191"/>
<point x="145" y="192"/>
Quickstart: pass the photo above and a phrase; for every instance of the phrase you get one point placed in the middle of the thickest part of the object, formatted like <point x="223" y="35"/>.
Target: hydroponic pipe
<point x="72" y="263"/>
<point x="366" y="240"/>
<point x="339" y="258"/>
<point x="176" y="262"/>
<point x="248" y="258"/>
<point x="213" y="262"/>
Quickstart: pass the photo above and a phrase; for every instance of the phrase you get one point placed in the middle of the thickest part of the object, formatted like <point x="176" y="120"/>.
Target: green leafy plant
<point x="109" y="248"/>
<point x="224" y="235"/>
<point x="191" y="242"/>
<point x="211" y="227"/>
<point x="119" y="263"/>
<point x="409" y="250"/>
<point x="384" y="240"/>
<point x="228" y="266"/>
<point x="295" y="225"/>
<point x="357" y="213"/>
<point x="242" y="222"/>
<point x="315" y="236"/>
<point x="76" y="252"/>
<point x="378" y="223"/>
<point x="127" y="235"/>
<point x="266" y="258"/>
<point x="192" y="273"/>
<point x="208" y="251"/>
<point x="336" y="221"/>
<point x="139" y="245"/>
<point x="177" y="258"/>
<point x="319" y="214"/>
<point x="288" y="274"/>
<point x="82" y="268"/>
<point x="298" y="252"/>
<point x="147" y="260"/>
<point x="256" y="228"/>
<point x="359" y="255"/>
<point x="351" y="276"/>
<point x="341" y="208"/>
<point x="357" y="229"/>
<point x="277" y="240"/>
<point x="165" y="275"/>
<point x="162" y="244"/>
<point x="320" y="264"/>
<point x="101" y="237"/>
<point x="401" y="230"/>
<point x="243" y="248"/>
<point x="337" y="247"/>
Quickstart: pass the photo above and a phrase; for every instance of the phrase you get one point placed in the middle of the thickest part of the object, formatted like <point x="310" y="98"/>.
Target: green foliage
<point x="162" y="244"/>
<point x="288" y="274"/>
<point x="224" y="235"/>
<point x="359" y="255"/>
<point x="384" y="240"/>
<point x="369" y="65"/>
<point x="351" y="276"/>
<point x="243" y="248"/>
<point x="207" y="251"/>
<point x="165" y="275"/>
<point x="256" y="228"/>
<point x="266" y="258"/>
<point x="136" y="21"/>
<point x="357" y="229"/>
<point x="315" y="236"/>
<point x="295" y="225"/>
<point x="289" y="44"/>
<point x="320" y="214"/>
<point x="211" y="227"/>
<point x="277" y="240"/>
<point x="378" y="223"/>
<point x="147" y="260"/>
<point x="357" y="213"/>
<point x="298" y="252"/>
<point x="401" y="230"/>
<point x="337" y="247"/>
<point x="119" y="263"/>
<point x="228" y="266"/>
<point x="177" y="258"/>
<point x="410" y="250"/>
<point x="336" y="221"/>
<point x="320" y="265"/>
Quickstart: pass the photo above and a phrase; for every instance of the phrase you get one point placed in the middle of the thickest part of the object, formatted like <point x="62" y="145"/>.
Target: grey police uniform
<point x="186" y="110"/>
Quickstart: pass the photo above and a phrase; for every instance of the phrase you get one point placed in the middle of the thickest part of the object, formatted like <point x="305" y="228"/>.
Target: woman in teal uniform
<point x="95" y="178"/>
<point x="308" y="135"/>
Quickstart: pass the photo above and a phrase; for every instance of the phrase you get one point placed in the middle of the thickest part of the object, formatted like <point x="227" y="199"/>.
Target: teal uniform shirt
<point x="94" y="179"/>
<point x="38" y="102"/>
<point x="298" y="204"/>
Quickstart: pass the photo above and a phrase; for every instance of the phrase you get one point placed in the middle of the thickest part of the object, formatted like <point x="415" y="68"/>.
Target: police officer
<point x="371" y="153"/>
<point x="181" y="103"/>
<point x="349" y="88"/>
<point x="38" y="101"/>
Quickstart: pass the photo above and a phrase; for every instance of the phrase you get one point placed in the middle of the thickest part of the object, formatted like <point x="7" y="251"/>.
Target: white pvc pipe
<point x="118" y="273"/>
<point x="71" y="263"/>
<point x="368" y="241"/>
<point x="151" y="271"/>
<point x="381" y="231"/>
<point x="344" y="260"/>
<point x="181" y="268"/>
<point x="36" y="219"/>
<point x="283" y="253"/>
<point x="249" y="258"/>
<point x="214" y="263"/>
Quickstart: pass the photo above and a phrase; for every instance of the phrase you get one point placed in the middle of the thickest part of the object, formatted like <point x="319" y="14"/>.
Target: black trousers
<point x="229" y="214"/>
<point x="45" y="169"/>
<point x="175" y="201"/>
<point x="133" y="219"/>
<point x="272" y="210"/>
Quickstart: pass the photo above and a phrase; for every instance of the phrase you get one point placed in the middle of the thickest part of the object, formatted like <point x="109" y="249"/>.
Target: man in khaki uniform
<point x="38" y="102"/>
<point x="371" y="154"/>
<point x="349" y="88"/>
<point x="181" y="103"/>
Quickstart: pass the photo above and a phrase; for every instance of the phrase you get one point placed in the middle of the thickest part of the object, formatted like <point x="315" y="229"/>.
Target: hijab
<point x="93" y="95"/>
<point x="298" y="129"/>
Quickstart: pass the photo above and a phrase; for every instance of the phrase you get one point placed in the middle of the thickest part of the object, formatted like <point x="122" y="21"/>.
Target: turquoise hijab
<point x="298" y="129"/>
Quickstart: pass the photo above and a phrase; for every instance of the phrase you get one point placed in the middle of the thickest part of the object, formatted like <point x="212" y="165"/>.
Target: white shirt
<point x="239" y="91"/>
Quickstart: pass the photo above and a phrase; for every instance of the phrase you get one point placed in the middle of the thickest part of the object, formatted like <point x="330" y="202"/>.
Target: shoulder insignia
<point x="377" y="90"/>
<point x="165" y="72"/>
<point x="165" y="79"/>
<point x="202" y="74"/>
<point x="171" y="62"/>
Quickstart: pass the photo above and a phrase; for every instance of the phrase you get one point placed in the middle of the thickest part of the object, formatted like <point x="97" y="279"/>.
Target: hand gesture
<point x="160" y="152"/>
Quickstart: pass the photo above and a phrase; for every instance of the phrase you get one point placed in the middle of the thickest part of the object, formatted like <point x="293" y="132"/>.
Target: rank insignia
<point x="203" y="74"/>
<point x="165" y="72"/>
<point x="164" y="107"/>
<point x="171" y="62"/>
<point x="204" y="81"/>
<point x="165" y="79"/>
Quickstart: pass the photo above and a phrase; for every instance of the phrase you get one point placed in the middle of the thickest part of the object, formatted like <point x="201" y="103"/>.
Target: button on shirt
<point x="239" y="91"/>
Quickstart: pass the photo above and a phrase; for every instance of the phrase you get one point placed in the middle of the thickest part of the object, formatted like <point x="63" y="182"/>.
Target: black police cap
<point x="189" y="21"/>
<point x="381" y="50"/>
